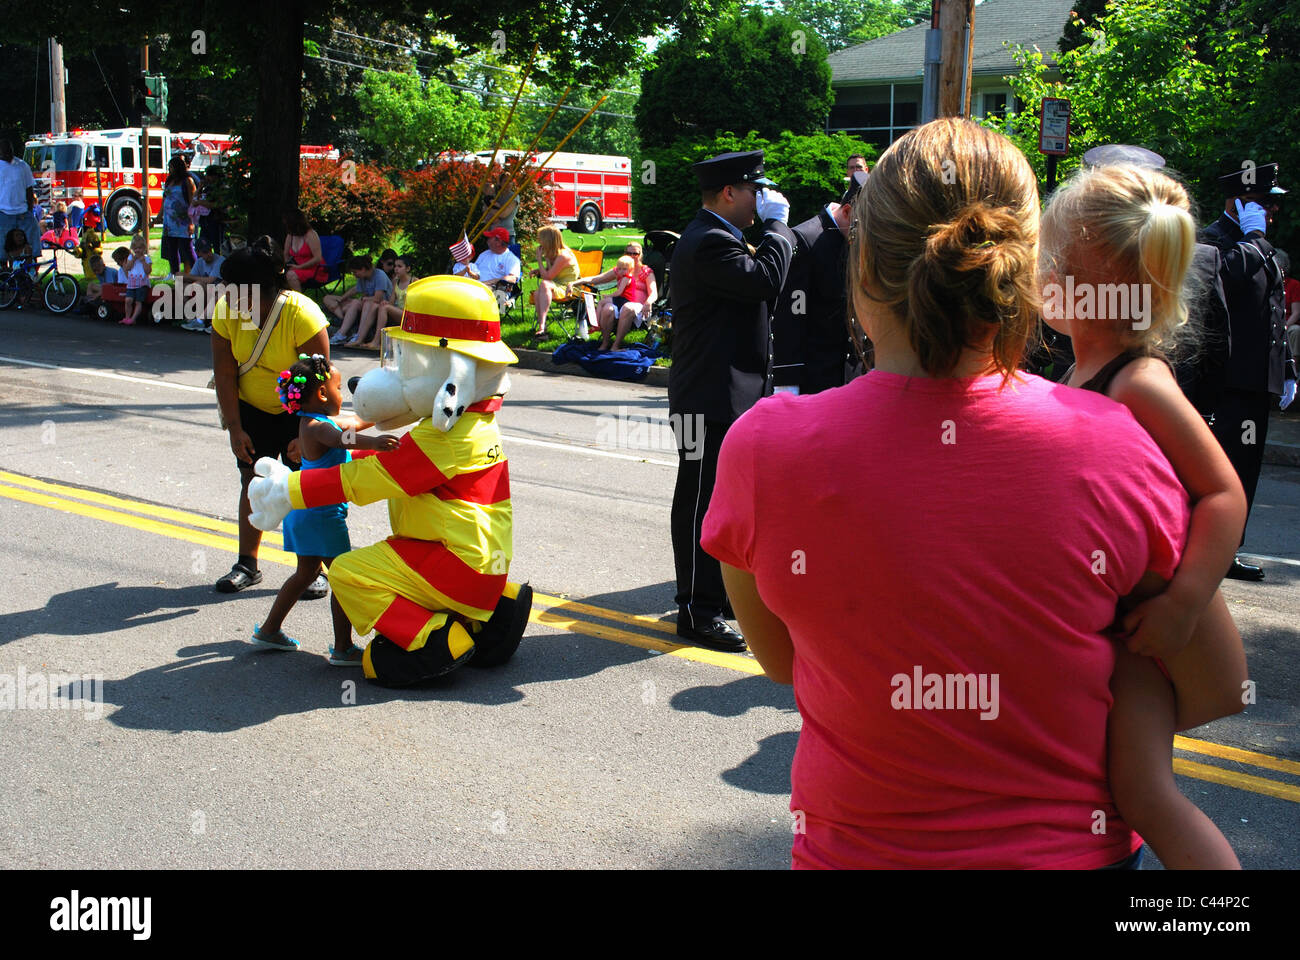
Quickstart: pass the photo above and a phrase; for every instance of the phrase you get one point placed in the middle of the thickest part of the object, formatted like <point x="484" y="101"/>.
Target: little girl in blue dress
<point x="312" y="388"/>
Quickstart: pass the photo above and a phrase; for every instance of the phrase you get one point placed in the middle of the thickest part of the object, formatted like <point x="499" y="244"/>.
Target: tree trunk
<point x="276" y="129"/>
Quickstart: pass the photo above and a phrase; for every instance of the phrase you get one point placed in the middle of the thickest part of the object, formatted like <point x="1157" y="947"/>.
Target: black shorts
<point x="177" y="249"/>
<point x="271" y="434"/>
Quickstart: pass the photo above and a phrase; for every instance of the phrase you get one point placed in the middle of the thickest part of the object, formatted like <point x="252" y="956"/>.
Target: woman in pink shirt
<point x="883" y="547"/>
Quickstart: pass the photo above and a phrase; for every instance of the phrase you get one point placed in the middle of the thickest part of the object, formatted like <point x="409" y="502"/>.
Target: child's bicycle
<point x="18" y="283"/>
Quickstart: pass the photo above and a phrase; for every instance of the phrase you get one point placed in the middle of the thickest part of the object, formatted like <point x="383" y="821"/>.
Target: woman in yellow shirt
<point x="249" y="403"/>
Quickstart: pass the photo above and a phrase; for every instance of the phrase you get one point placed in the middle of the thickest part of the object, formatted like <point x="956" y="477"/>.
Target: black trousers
<point x="1234" y="416"/>
<point x="701" y="596"/>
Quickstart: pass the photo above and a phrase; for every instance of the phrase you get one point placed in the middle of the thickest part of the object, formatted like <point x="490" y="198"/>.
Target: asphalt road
<point x="602" y="744"/>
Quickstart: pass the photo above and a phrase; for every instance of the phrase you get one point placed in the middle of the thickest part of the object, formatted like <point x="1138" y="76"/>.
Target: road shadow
<point x="650" y="600"/>
<point x="223" y="686"/>
<point x="109" y="607"/>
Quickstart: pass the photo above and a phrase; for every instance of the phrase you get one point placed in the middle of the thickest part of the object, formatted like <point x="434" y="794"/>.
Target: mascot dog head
<point x="446" y="355"/>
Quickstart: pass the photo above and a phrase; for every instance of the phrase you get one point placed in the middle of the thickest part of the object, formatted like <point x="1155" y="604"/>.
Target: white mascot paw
<point x="268" y="494"/>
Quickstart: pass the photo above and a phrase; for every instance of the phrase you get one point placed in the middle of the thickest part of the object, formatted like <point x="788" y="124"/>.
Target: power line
<point x="474" y="63"/>
<point x="477" y="92"/>
<point x="110" y="89"/>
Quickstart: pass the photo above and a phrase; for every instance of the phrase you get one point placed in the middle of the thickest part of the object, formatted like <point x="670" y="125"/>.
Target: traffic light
<point x="155" y="98"/>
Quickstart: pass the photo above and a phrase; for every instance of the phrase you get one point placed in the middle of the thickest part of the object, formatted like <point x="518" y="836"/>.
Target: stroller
<point x="658" y="256"/>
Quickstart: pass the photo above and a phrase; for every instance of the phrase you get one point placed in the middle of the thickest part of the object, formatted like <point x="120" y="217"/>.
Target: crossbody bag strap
<point x="264" y="338"/>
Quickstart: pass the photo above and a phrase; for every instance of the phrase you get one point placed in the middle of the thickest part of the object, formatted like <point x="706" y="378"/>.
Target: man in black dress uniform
<point x="722" y="293"/>
<point x="1259" y="367"/>
<point x="811" y="345"/>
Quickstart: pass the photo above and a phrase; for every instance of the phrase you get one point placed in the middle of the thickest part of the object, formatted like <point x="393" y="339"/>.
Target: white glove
<point x="1251" y="217"/>
<point x="268" y="494"/>
<point x="772" y="206"/>
<point x="1288" y="393"/>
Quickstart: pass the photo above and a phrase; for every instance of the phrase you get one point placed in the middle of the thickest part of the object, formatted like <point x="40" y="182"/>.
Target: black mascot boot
<point x="499" y="639"/>
<point x="389" y="665"/>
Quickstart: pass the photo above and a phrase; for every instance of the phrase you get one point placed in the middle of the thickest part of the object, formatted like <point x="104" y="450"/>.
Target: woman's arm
<point x="597" y="280"/>
<point x="651" y="290"/>
<point x="764" y="631"/>
<point x="225" y="372"/>
<point x="1163" y="625"/>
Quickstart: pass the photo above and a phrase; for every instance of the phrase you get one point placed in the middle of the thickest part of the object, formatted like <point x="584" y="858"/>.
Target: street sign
<point x="1054" y="127"/>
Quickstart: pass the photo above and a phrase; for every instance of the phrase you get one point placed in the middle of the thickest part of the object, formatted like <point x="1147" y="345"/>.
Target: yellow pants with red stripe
<point x="378" y="591"/>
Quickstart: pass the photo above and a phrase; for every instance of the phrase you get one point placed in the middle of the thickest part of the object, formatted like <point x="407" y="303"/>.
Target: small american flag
<point x="462" y="250"/>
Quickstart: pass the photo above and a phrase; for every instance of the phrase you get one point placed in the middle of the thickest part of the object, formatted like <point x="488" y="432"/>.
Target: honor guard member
<point x="811" y="345"/>
<point x="1259" y="366"/>
<point x="722" y="293"/>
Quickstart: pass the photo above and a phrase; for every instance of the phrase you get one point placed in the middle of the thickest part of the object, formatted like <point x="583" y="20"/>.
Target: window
<point x="99" y="156"/>
<point x="54" y="156"/>
<point x="128" y="158"/>
<point x="995" y="105"/>
<point x="878" y="114"/>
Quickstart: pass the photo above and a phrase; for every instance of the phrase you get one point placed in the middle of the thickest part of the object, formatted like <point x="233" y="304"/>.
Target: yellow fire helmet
<point x="455" y="313"/>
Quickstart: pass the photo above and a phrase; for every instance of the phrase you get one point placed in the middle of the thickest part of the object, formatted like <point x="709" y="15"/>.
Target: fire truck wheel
<point x="588" y="219"/>
<point x="125" y="216"/>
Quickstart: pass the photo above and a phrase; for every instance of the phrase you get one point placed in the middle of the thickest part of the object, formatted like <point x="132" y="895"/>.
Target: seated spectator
<point x="362" y="302"/>
<point x="618" y="313"/>
<point x="559" y="268"/>
<point x="96" y="272"/>
<point x="302" y="254"/>
<point x="391" y="313"/>
<point x="16" y="246"/>
<point x="496" y="266"/>
<point x="386" y="261"/>
<point x="59" y="218"/>
<point x="206" y="271"/>
<point x="117" y="274"/>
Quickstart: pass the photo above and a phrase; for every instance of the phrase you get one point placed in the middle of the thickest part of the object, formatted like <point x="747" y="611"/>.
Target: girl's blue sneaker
<point x="280" y="641"/>
<point x="348" y="658"/>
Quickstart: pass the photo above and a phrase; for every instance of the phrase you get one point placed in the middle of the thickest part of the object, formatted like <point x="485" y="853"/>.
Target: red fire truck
<point x="105" y="166"/>
<point x="588" y="191"/>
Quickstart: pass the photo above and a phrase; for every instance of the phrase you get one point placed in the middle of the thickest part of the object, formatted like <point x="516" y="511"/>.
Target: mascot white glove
<point x="268" y="494"/>
<point x="1288" y="393"/>
<point x="1251" y="217"/>
<point x="772" y="205"/>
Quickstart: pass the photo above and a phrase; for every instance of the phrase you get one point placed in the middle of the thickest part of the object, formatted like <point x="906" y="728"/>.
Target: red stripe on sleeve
<point x="411" y="468"/>
<point x="491" y="485"/>
<point x="321" y="487"/>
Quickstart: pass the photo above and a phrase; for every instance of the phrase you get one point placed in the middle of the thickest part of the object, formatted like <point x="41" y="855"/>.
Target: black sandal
<point x="238" y="578"/>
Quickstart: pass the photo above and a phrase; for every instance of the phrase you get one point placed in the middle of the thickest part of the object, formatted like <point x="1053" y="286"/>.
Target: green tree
<point x="1164" y="74"/>
<point x="760" y="72"/>
<point x="841" y="24"/>
<point x="410" y="121"/>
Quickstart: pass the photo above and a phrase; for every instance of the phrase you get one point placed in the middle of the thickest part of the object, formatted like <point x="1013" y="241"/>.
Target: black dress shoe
<point x="1245" y="571"/>
<point x="717" y="635"/>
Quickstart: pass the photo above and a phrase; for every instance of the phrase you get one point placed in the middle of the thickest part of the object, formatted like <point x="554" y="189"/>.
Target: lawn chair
<point x="567" y="312"/>
<point x="331" y="251"/>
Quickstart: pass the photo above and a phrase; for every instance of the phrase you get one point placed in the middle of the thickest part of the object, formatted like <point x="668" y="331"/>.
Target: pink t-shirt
<point x="947" y="543"/>
<point x="638" y="285"/>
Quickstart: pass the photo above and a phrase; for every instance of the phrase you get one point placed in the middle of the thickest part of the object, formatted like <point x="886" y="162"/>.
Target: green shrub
<point x="809" y="170"/>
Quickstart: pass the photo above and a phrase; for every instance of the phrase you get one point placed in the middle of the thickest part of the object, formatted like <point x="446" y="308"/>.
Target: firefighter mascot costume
<point x="436" y="591"/>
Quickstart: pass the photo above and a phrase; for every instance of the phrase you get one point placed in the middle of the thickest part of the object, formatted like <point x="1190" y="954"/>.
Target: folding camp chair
<point x="567" y="312"/>
<point x="331" y="251"/>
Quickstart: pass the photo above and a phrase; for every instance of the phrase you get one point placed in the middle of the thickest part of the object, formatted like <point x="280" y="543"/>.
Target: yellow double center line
<point x="561" y="613"/>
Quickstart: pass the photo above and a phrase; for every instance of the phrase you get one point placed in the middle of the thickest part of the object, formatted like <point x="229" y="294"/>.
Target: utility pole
<point x="144" y="141"/>
<point x="948" y="43"/>
<point x="957" y="27"/>
<point x="58" y="105"/>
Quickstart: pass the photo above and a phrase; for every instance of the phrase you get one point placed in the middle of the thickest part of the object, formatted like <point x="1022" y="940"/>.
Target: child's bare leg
<point x="1140" y="748"/>
<point x="342" y="627"/>
<point x="299" y="580"/>
<point x="1209" y="675"/>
